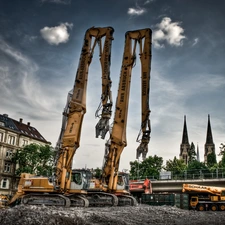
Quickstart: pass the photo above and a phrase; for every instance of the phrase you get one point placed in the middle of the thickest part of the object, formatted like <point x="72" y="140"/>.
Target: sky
<point x="40" y="45"/>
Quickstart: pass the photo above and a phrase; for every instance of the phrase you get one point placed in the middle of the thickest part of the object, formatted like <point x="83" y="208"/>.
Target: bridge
<point x="176" y="186"/>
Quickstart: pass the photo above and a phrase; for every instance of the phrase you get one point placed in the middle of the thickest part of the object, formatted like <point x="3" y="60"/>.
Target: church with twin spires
<point x="185" y="145"/>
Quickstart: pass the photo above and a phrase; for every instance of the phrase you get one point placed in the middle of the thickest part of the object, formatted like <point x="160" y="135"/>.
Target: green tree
<point x="222" y="153"/>
<point x="191" y="153"/>
<point x="35" y="159"/>
<point x="97" y="173"/>
<point x="176" y="166"/>
<point x="134" y="169"/>
<point x="196" y="169"/>
<point x="211" y="160"/>
<point x="150" y="167"/>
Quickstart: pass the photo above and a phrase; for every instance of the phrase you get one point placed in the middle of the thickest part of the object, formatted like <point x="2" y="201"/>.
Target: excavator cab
<point x="80" y="179"/>
<point x="123" y="182"/>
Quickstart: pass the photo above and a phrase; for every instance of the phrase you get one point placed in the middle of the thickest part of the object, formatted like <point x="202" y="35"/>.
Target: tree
<point x="222" y="153"/>
<point x="97" y="172"/>
<point x="211" y="160"/>
<point x="196" y="169"/>
<point x="35" y="159"/>
<point x="176" y="166"/>
<point x="134" y="169"/>
<point x="150" y="167"/>
<point x="191" y="153"/>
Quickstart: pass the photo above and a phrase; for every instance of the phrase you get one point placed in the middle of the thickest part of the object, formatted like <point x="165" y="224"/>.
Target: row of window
<point x="12" y="140"/>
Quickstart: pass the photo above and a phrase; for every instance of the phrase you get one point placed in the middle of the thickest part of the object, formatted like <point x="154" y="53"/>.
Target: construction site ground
<point x="141" y="214"/>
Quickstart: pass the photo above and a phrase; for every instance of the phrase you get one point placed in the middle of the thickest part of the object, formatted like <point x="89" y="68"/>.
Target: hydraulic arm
<point x="118" y="141"/>
<point x="69" y="139"/>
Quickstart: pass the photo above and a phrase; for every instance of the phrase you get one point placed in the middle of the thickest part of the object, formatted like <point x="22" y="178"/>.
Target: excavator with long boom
<point x="113" y="181"/>
<point x="67" y="187"/>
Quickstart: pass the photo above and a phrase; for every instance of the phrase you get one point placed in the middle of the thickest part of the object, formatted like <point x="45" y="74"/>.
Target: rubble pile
<point x="139" y="215"/>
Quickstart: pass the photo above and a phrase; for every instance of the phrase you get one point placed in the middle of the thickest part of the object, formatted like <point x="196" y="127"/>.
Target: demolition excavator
<point x="67" y="187"/>
<point x="78" y="187"/>
<point x="112" y="181"/>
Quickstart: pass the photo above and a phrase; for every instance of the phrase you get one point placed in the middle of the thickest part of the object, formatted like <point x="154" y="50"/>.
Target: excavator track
<point x="46" y="199"/>
<point x="78" y="201"/>
<point x="97" y="199"/>
<point x="127" y="200"/>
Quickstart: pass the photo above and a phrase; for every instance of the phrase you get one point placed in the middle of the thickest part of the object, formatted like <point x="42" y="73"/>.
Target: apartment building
<point x="14" y="135"/>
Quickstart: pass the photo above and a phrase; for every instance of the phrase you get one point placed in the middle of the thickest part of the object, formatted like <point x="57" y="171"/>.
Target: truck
<point x="139" y="187"/>
<point x="205" y="197"/>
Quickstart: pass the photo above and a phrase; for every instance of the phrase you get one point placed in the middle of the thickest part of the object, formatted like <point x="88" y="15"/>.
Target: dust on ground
<point x="138" y="215"/>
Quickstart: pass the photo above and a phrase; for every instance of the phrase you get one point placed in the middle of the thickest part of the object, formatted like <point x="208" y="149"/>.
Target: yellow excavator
<point x="77" y="187"/>
<point x="112" y="181"/>
<point x="67" y="188"/>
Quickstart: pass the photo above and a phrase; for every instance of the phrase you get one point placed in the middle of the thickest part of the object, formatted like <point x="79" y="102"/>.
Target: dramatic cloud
<point x="168" y="31"/>
<point x="148" y="2"/>
<point x="196" y="40"/>
<point x="56" y="35"/>
<point x="20" y="86"/>
<point x="136" y="11"/>
<point x="66" y="2"/>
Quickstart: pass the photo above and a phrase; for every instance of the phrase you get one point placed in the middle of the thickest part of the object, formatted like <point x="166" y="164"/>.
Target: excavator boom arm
<point x="75" y="109"/>
<point x="117" y="141"/>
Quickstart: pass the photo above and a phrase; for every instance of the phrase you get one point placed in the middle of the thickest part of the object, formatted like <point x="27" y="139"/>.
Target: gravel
<point x="141" y="214"/>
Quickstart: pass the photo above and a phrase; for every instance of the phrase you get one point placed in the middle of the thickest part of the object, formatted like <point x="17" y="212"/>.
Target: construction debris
<point x="140" y="215"/>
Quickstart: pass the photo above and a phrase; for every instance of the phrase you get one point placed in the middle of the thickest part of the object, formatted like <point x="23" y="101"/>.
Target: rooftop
<point x="20" y="127"/>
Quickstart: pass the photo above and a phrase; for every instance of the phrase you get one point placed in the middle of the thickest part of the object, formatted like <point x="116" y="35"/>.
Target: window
<point x="76" y="177"/>
<point x="7" y="168"/>
<point x="5" y="183"/>
<point x="2" y="123"/>
<point x="9" y="153"/>
<point x="11" y="140"/>
<point x="25" y="142"/>
<point x="1" y="136"/>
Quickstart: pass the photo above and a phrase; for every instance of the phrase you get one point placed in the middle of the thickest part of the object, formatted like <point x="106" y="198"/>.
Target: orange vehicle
<point x="67" y="187"/>
<point x="205" y="197"/>
<point x="112" y="181"/>
<point x="4" y="201"/>
<point x="139" y="187"/>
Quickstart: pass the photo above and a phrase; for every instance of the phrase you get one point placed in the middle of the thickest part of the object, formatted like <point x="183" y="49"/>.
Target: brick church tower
<point x="185" y="146"/>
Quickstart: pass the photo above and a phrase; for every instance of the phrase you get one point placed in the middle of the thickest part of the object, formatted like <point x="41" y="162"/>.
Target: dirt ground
<point x="141" y="214"/>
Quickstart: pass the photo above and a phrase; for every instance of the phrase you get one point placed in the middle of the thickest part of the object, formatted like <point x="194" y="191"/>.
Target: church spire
<point x="185" y="146"/>
<point x="185" y="133"/>
<point x="209" y="145"/>
<point x="209" y="138"/>
<point x="198" y="157"/>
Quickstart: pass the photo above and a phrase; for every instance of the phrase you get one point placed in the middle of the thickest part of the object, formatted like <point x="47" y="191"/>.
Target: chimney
<point x="5" y="115"/>
<point x="21" y="120"/>
<point x="28" y="124"/>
